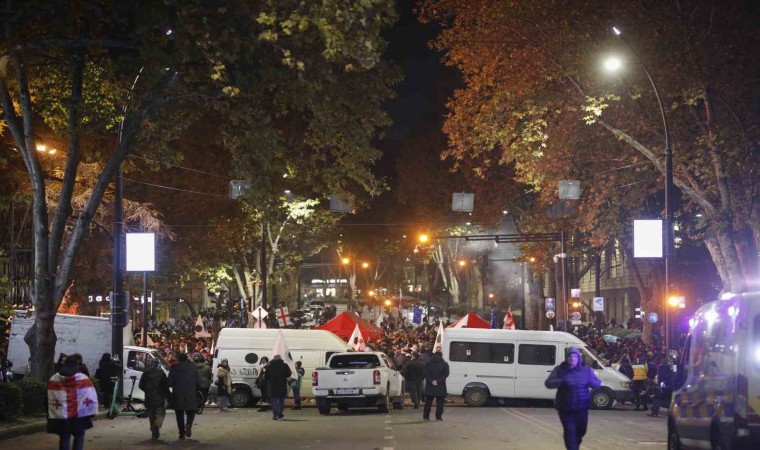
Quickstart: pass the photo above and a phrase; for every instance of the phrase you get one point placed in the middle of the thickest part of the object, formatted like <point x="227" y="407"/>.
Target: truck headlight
<point x="625" y="384"/>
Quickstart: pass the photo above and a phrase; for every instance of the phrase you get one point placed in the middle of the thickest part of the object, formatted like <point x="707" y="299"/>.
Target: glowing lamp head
<point x="388" y="303"/>
<point x="345" y="260"/>
<point x="371" y="293"/>
<point x="616" y="30"/>
<point x="490" y="295"/>
<point x="613" y="64"/>
<point x="365" y="265"/>
<point x="462" y="263"/>
<point x="424" y="238"/>
<point x="674" y="301"/>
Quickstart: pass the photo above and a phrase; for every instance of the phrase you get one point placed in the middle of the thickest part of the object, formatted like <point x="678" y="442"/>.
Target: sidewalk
<point x="31" y="425"/>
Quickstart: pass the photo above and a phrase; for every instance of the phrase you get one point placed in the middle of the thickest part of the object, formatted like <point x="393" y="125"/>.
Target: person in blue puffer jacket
<point x="572" y="379"/>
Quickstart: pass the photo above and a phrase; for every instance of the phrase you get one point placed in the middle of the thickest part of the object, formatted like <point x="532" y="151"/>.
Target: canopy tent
<point x="471" y="320"/>
<point x="344" y="323"/>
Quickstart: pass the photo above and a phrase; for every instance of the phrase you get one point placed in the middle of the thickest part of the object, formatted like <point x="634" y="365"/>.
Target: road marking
<point x="544" y="426"/>
<point x="388" y="421"/>
<point x="389" y="428"/>
<point x="388" y="437"/>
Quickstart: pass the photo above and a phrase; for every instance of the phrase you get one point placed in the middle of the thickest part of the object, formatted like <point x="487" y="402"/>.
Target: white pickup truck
<point x="355" y="379"/>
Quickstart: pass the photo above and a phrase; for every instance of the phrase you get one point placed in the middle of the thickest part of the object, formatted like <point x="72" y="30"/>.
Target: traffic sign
<point x="652" y="317"/>
<point x="550" y="314"/>
<point x="598" y="304"/>
<point x="550" y="304"/>
<point x="576" y="316"/>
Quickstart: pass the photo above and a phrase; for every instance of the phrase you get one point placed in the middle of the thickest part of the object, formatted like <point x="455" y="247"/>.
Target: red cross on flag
<point x="356" y="341"/>
<point x="283" y="317"/>
<point x="509" y="320"/>
<point x="71" y="397"/>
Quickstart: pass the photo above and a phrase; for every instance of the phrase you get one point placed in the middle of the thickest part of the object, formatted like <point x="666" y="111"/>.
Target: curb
<point x="32" y="428"/>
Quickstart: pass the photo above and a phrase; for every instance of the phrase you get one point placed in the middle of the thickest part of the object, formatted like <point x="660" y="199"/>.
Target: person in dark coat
<point x="436" y="372"/>
<point x="156" y="387"/>
<point x="276" y="379"/>
<point x="107" y="369"/>
<point x="415" y="374"/>
<point x="68" y="418"/>
<point x="261" y="384"/>
<point x="626" y="368"/>
<point x="184" y="381"/>
<point x="204" y="374"/>
<point x="572" y="379"/>
<point x="665" y="379"/>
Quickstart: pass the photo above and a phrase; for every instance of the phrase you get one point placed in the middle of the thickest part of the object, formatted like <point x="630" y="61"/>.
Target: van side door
<point x="489" y="363"/>
<point x="535" y="361"/>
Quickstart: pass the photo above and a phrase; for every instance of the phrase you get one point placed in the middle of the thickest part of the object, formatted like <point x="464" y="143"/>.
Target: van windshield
<point x="357" y="361"/>
<point x="599" y="358"/>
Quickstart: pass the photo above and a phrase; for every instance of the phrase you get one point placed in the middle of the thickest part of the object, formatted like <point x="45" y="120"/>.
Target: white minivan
<point x="244" y="347"/>
<point x="492" y="363"/>
<point x="716" y="397"/>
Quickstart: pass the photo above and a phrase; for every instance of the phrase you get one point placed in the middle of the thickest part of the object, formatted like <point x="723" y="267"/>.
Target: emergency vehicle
<point x="716" y="400"/>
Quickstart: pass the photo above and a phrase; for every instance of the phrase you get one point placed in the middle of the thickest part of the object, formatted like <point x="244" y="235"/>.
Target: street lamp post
<point x="614" y="64"/>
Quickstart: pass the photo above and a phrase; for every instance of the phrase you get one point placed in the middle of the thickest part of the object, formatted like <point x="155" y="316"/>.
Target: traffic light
<point x="639" y="313"/>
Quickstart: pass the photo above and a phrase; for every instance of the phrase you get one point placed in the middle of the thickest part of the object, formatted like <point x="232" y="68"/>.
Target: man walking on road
<point x="436" y="372"/>
<point x="184" y="381"/>
<point x="156" y="387"/>
<point x="572" y="379"/>
<point x="415" y="374"/>
<point x="276" y="379"/>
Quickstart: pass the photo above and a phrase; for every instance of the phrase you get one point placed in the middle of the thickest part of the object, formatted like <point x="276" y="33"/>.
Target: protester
<point x="295" y="385"/>
<point x="204" y="374"/>
<point x="106" y="372"/>
<point x="640" y="384"/>
<point x="223" y="384"/>
<point x="436" y="372"/>
<point x="276" y="380"/>
<point x="156" y="387"/>
<point x="68" y="418"/>
<point x="61" y="361"/>
<point x="261" y="383"/>
<point x="572" y="379"/>
<point x="665" y="380"/>
<point x="415" y="374"/>
<point x="184" y="381"/>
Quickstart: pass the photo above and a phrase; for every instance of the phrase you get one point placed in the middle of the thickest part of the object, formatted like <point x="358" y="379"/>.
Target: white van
<point x="244" y="348"/>
<point x="486" y="363"/>
<point x="716" y="400"/>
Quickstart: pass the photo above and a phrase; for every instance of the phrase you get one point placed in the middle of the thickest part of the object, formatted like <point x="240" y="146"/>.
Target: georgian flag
<point x="439" y="337"/>
<point x="71" y="397"/>
<point x="356" y="341"/>
<point x="509" y="320"/>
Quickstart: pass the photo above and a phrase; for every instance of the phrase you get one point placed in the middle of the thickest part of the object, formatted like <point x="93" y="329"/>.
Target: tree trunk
<point x="533" y="295"/>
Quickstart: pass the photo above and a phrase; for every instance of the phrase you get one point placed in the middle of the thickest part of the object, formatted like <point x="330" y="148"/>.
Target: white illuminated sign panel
<point x="647" y="238"/>
<point x="141" y="252"/>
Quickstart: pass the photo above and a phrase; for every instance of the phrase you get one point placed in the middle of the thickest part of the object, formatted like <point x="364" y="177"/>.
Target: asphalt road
<point x="494" y="427"/>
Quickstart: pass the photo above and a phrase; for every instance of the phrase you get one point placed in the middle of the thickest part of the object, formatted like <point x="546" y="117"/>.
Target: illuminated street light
<point x="371" y="293"/>
<point x="462" y="263"/>
<point x="424" y="238"/>
<point x="365" y="265"/>
<point x="388" y="303"/>
<point x="532" y="259"/>
<point x="345" y="261"/>
<point x="613" y="64"/>
<point x="490" y="295"/>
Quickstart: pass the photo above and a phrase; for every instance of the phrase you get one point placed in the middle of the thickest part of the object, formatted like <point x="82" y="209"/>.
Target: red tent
<point x="471" y="320"/>
<point x="344" y="323"/>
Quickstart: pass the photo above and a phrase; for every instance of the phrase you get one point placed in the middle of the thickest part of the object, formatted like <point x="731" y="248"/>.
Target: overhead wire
<point x="174" y="188"/>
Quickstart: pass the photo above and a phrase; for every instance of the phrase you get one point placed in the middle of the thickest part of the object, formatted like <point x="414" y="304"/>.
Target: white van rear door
<point x="535" y="361"/>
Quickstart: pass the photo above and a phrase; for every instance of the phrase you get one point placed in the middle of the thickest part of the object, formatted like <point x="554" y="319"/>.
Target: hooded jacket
<point x="436" y="370"/>
<point x="572" y="384"/>
<point x="184" y="381"/>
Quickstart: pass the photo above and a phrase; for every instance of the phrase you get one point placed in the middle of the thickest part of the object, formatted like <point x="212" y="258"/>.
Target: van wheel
<point x="476" y="396"/>
<point x="602" y="399"/>
<point x="674" y="442"/>
<point x="240" y="397"/>
<point x="323" y="405"/>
